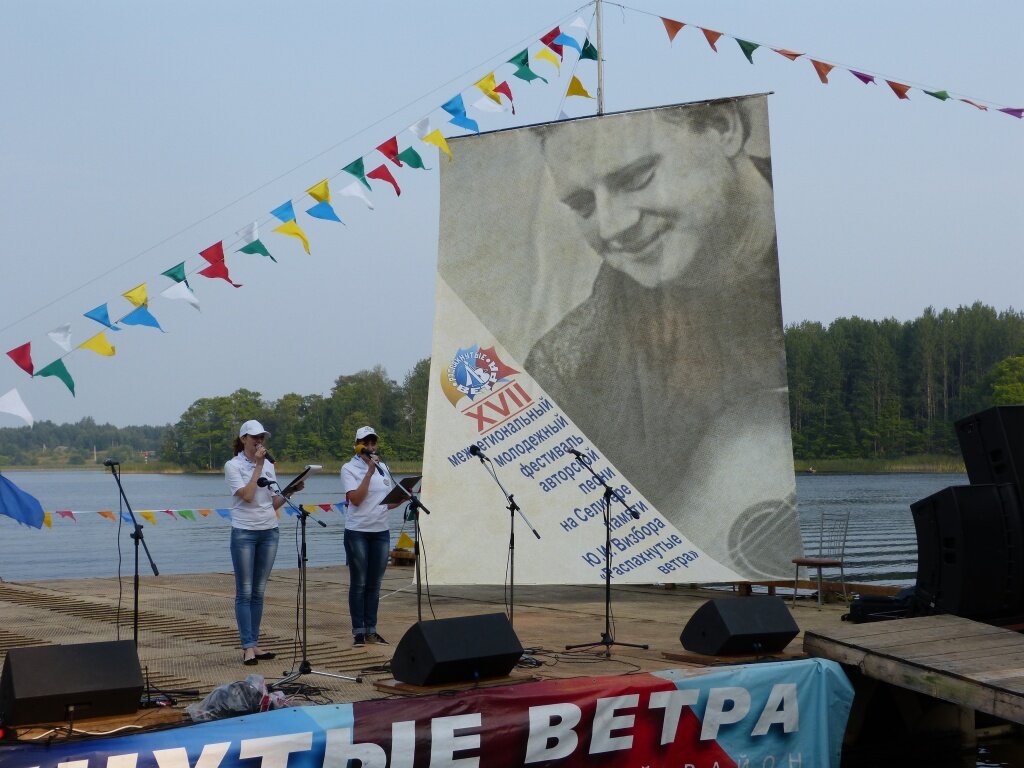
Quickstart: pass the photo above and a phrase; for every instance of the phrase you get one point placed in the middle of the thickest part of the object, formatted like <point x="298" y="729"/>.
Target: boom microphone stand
<point x="512" y="508"/>
<point x="138" y="538"/>
<point x="413" y="513"/>
<point x="304" y="668"/>
<point x="607" y="638"/>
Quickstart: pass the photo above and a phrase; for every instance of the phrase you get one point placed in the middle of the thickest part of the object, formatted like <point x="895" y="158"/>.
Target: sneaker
<point x="359" y="640"/>
<point x="373" y="637"/>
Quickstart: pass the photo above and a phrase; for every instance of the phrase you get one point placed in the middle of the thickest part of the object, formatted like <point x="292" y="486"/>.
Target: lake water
<point x="882" y="546"/>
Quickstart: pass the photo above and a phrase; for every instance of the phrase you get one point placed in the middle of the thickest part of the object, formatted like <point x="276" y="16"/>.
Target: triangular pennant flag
<point x="356" y="169"/>
<point x="22" y="356"/>
<point x="487" y="84"/>
<point x="484" y="104"/>
<point x="791" y="55"/>
<point x="712" y="37"/>
<point x="899" y="89"/>
<point x="579" y="24"/>
<point x="822" y="69"/>
<point x="218" y="269"/>
<point x="1017" y="112"/>
<point x="249" y="236"/>
<point x="323" y="211"/>
<point x="13" y="404"/>
<point x="204" y="512"/>
<point x="672" y="28"/>
<point x="61" y="336"/>
<point x="866" y="79"/>
<point x="215" y="253"/>
<point x="437" y="139"/>
<point x="181" y="291"/>
<point x="187" y="514"/>
<point x="58" y="369"/>
<point x="381" y="173"/>
<point x="285" y="212"/>
<point x="589" y="51"/>
<point x="421" y="127"/>
<point x="170" y="513"/>
<point x="562" y="115"/>
<point x="404" y="541"/>
<point x="457" y="110"/>
<point x="141" y="316"/>
<point x="545" y="55"/>
<point x="748" y="48"/>
<point x="506" y="90"/>
<point x="521" y="61"/>
<point x="940" y="95"/>
<point x="292" y="229"/>
<point x="147" y="514"/>
<point x="47" y="520"/>
<point x="569" y="40"/>
<point x="549" y="41"/>
<point x="225" y="513"/>
<point x="256" y="247"/>
<point x="19" y="505"/>
<point x="67" y="513"/>
<point x="576" y="88"/>
<point x="412" y="158"/>
<point x="101" y="316"/>
<point x="99" y="345"/>
<point x="126" y="518"/>
<point x="107" y="514"/>
<point x="982" y="107"/>
<point x="326" y="507"/>
<point x="321" y="192"/>
<point x="176" y="273"/>
<point x="137" y="295"/>
<point x="355" y="189"/>
<point x="390" y="150"/>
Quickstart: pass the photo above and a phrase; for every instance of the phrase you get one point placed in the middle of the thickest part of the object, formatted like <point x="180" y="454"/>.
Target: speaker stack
<point x="970" y="538"/>
<point x="757" y="624"/>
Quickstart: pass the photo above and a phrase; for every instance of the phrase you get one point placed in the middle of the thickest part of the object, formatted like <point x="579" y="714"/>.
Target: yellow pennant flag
<point x="292" y="229"/>
<point x="404" y="541"/>
<point x="576" y="88"/>
<point x="137" y="295"/>
<point x="547" y="55"/>
<point x="435" y="138"/>
<point x="99" y="345"/>
<point x="320" y="192"/>
<point x="147" y="514"/>
<point x="48" y="519"/>
<point x="487" y="85"/>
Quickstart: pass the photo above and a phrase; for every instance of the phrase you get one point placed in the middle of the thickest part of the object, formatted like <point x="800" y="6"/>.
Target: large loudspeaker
<point x="463" y="649"/>
<point x="739" y="625"/>
<point x="992" y="444"/>
<point x="38" y="685"/>
<point x="970" y="551"/>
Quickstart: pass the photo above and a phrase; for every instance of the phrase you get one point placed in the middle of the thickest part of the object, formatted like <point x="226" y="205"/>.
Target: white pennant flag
<point x="61" y="336"/>
<point x="181" y="291"/>
<point x="579" y="23"/>
<point x="13" y="404"/>
<point x="486" y="104"/>
<point x="249" y="234"/>
<point x="421" y="127"/>
<point x="355" y="189"/>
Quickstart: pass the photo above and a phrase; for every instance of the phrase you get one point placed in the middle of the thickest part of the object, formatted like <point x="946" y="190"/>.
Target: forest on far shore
<point x="859" y="389"/>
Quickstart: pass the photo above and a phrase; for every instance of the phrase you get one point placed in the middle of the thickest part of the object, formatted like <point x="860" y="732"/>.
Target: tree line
<point x="871" y="389"/>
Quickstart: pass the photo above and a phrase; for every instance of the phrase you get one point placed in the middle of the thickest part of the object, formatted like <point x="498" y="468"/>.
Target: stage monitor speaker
<point x="970" y="551"/>
<point x="992" y="444"/>
<point x="740" y="625"/>
<point x="41" y="684"/>
<point x="462" y="649"/>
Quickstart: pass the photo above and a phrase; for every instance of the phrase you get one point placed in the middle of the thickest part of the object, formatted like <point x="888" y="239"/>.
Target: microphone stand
<point x="415" y="505"/>
<point x="138" y="538"/>
<point x="305" y="668"/>
<point x="607" y="638"/>
<point x="512" y="509"/>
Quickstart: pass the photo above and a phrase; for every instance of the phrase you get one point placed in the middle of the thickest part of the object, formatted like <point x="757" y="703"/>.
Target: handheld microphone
<point x="474" y="450"/>
<point x="268" y="457"/>
<point x="111" y="463"/>
<point x="362" y="450"/>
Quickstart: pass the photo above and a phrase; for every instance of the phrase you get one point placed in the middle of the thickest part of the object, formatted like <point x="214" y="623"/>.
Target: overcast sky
<point x="134" y="135"/>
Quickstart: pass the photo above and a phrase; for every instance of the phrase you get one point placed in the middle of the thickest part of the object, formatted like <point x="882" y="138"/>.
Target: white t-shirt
<point x="258" y="514"/>
<point x="371" y="515"/>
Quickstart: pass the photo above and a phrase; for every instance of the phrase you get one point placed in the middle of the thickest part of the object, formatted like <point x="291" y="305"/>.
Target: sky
<point x="135" y="135"/>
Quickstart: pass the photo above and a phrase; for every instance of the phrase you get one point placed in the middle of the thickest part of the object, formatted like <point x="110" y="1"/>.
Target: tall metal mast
<point x="600" y="59"/>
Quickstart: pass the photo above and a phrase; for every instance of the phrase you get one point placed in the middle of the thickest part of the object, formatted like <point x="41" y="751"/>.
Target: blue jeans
<point x="252" y="556"/>
<point x="367" y="555"/>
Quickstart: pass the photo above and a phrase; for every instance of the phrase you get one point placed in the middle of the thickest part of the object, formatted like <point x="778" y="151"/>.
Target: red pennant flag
<point x="504" y="89"/>
<point x="1014" y="112"/>
<point x="326" y="507"/>
<point x="866" y="79"/>
<point x="66" y="513"/>
<point x="218" y="269"/>
<point x="381" y="173"/>
<point x="822" y="69"/>
<point x="549" y="41"/>
<point x="791" y="55"/>
<point x="214" y="253"/>
<point x="982" y="107"/>
<point x="672" y="27"/>
<point x="712" y="37"/>
<point x="390" y="150"/>
<point x="899" y="89"/>
<point x="22" y="356"/>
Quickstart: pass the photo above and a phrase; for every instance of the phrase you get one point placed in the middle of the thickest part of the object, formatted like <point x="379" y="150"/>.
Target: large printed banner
<point x="781" y="714"/>
<point x="608" y="314"/>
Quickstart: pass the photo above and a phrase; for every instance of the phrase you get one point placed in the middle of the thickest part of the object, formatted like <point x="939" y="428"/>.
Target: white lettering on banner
<point x="552" y="732"/>
<point x="672" y="702"/>
<point x="717" y="714"/>
<point x="444" y="743"/>
<point x="210" y="757"/>
<point x="274" y="750"/>
<point x="782" y="707"/>
<point x="403" y="743"/>
<point x="341" y="749"/>
<point x="74" y="764"/>
<point x="606" y="721"/>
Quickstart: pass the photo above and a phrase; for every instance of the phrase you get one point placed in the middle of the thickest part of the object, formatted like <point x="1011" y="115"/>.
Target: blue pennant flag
<point x="141" y="316"/>
<point x="564" y="39"/>
<point x="455" y="107"/>
<point x="20" y="506"/>
<point x="101" y="316"/>
<point x="324" y="210"/>
<point x="284" y="212"/>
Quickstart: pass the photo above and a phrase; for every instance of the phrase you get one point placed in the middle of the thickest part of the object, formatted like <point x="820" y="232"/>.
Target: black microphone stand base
<point x="606" y="641"/>
<point x="305" y="668"/>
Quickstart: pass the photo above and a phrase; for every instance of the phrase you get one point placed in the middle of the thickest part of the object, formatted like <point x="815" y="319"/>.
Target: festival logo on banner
<point x="479" y="375"/>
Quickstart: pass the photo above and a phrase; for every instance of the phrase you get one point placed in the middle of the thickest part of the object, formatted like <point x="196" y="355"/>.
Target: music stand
<point x="607" y="638"/>
<point x="415" y="505"/>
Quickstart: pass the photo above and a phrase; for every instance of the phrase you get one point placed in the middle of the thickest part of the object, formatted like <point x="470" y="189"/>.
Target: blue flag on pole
<point x="18" y="505"/>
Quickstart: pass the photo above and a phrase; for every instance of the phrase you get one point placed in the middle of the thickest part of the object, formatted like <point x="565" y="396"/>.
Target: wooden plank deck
<point x="963" y="662"/>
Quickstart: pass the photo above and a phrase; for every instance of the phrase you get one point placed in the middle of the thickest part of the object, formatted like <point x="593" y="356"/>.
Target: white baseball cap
<point x="252" y="427"/>
<point x="364" y="432"/>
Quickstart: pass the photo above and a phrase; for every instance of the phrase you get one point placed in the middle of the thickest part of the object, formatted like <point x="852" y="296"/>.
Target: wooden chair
<point x="831" y="549"/>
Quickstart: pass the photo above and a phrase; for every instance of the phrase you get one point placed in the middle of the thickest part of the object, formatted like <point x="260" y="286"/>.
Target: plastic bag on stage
<point x="243" y="697"/>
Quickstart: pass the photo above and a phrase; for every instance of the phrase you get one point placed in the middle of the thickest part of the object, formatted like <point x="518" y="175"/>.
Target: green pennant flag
<point x="257" y="247"/>
<point x="58" y="369"/>
<point x="940" y="95"/>
<point x="412" y="158"/>
<point x="589" y="51"/>
<point x="188" y="514"/>
<point x="748" y="48"/>
<point x="521" y="61"/>
<point x="356" y="169"/>
<point x="176" y="273"/>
